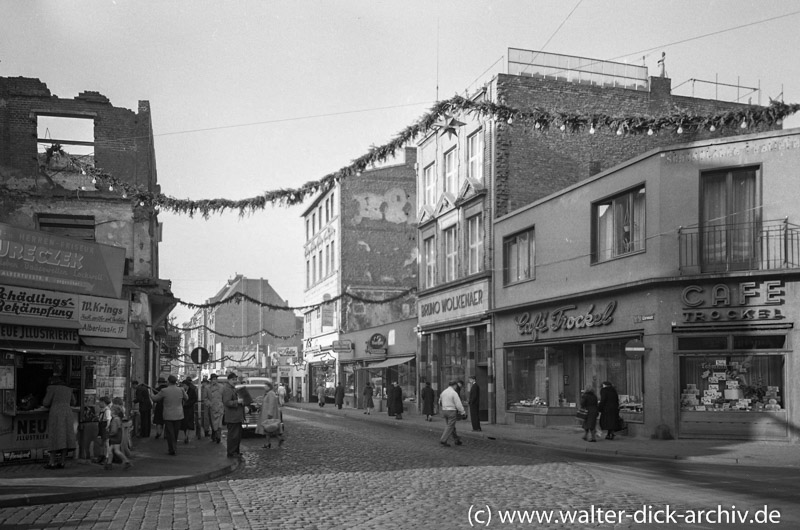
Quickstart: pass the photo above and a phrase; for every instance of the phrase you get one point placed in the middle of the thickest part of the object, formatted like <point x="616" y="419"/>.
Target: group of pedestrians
<point x="606" y="407"/>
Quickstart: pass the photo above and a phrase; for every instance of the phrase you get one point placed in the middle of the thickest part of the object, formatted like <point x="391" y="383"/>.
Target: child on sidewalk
<point x="115" y="438"/>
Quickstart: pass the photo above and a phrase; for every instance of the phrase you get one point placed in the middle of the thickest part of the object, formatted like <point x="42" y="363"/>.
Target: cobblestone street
<point x="344" y="472"/>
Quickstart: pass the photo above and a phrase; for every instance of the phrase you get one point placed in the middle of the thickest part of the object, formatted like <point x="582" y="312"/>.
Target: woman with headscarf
<point x="589" y="402"/>
<point x="609" y="409"/>
<point x="269" y="419"/>
<point x="60" y="421"/>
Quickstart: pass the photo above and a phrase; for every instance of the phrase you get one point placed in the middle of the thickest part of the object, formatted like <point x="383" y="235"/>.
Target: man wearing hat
<point x="172" y="398"/>
<point x="187" y="424"/>
<point x="234" y="415"/>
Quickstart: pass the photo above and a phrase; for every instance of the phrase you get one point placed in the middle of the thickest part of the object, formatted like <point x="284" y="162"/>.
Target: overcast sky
<point x="254" y="96"/>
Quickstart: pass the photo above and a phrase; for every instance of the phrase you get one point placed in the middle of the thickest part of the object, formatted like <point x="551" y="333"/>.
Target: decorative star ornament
<point x="448" y="125"/>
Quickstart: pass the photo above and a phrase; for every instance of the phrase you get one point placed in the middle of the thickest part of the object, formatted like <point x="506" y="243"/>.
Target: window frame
<point x="475" y="155"/>
<point x="451" y="171"/>
<point x="628" y="195"/>
<point x="429" y="255"/>
<point x="475" y="244"/>
<point x="513" y="240"/>
<point x="450" y="236"/>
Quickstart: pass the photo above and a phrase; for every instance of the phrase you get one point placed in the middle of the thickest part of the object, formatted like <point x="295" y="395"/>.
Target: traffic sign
<point x="199" y="355"/>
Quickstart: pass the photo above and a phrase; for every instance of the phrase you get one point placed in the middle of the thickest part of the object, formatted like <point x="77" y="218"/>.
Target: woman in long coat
<point x="270" y="410"/>
<point x="609" y="409"/>
<point x="395" y="403"/>
<point x="428" y="397"/>
<point x="60" y="422"/>
<point x="368" y="403"/>
<point x="589" y="402"/>
<point x="158" y="408"/>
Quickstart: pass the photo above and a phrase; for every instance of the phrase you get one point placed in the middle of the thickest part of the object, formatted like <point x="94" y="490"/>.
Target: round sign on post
<point x="199" y="355"/>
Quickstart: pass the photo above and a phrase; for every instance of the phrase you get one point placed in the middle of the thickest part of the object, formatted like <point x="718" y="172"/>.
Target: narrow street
<point x="347" y="472"/>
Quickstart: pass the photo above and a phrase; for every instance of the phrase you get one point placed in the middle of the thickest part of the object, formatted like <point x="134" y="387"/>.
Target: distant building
<point x="244" y="337"/>
<point x="79" y="263"/>
<point x="360" y="239"/>
<point x="472" y="171"/>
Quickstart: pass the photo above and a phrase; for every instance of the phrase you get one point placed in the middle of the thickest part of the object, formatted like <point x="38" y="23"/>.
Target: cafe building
<point x="674" y="276"/>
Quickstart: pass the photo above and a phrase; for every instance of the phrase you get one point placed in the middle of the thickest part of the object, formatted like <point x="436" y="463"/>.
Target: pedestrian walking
<point x="171" y="398"/>
<point x="609" y="409"/>
<point x="452" y="408"/>
<point x="369" y="404"/>
<point x="158" y="408"/>
<point x="338" y="396"/>
<point x="589" y="402"/>
<point x="234" y="415"/>
<point x="60" y="430"/>
<point x="474" y="403"/>
<point x="428" y="397"/>
<point x="395" y="401"/>
<point x="142" y="399"/>
<point x="321" y="394"/>
<point x="216" y="408"/>
<point x="281" y="394"/>
<point x="269" y="419"/>
<point x="187" y="423"/>
<point x="103" y="423"/>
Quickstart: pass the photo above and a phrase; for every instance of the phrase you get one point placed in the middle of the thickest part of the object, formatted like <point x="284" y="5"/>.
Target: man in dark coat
<point x="395" y="404"/>
<point x="609" y="409"/>
<point x="338" y="396"/>
<point x="474" y="403"/>
<point x="142" y="398"/>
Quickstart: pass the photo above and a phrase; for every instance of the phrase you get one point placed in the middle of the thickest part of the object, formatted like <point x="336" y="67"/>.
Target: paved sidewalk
<point x="153" y="469"/>
<point x="731" y="452"/>
<point x="203" y="460"/>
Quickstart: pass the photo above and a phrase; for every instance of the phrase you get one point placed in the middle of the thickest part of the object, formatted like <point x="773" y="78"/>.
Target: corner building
<point x="675" y="277"/>
<point x="471" y="171"/>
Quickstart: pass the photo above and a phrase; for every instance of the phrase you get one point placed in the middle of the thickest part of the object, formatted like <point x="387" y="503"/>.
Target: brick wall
<point x="531" y="164"/>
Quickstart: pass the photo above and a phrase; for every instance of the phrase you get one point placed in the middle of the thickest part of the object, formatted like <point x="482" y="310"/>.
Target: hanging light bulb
<point x="141" y="203"/>
<point x="779" y="122"/>
<point x="124" y="195"/>
<point x="591" y="129"/>
<point x="712" y="128"/>
<point x="619" y="131"/>
<point x="537" y="125"/>
<point x="650" y="132"/>
<point x="563" y="127"/>
<point x="680" y="129"/>
<point x="110" y="188"/>
<point x="83" y="188"/>
<point x="744" y="124"/>
<point x="94" y="180"/>
<point x="510" y="120"/>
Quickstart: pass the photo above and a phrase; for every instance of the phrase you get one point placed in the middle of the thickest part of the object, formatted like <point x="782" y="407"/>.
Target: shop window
<point x="608" y="361"/>
<point x="618" y="225"/>
<point x="732" y="383"/>
<point x="452" y="356"/>
<point x="526" y="379"/>
<point x="518" y="257"/>
<point x="481" y="345"/>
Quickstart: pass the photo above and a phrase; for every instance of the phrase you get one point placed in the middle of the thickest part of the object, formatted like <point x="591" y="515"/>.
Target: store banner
<point x="45" y="308"/>
<point x="39" y="259"/>
<point x="103" y="317"/>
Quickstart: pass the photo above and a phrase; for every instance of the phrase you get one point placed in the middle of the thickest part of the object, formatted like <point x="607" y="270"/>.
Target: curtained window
<point x="729" y="220"/>
<point x="619" y="225"/>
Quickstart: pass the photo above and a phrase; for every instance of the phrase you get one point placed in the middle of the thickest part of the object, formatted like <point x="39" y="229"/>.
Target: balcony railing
<point x="767" y="245"/>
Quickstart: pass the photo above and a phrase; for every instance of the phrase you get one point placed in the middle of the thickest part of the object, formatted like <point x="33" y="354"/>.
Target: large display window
<point x="554" y="376"/>
<point x="452" y="356"/>
<point x="732" y="386"/>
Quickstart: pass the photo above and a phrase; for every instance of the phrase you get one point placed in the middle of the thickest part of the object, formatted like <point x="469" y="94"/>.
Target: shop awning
<point x="393" y="361"/>
<point x="107" y="342"/>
